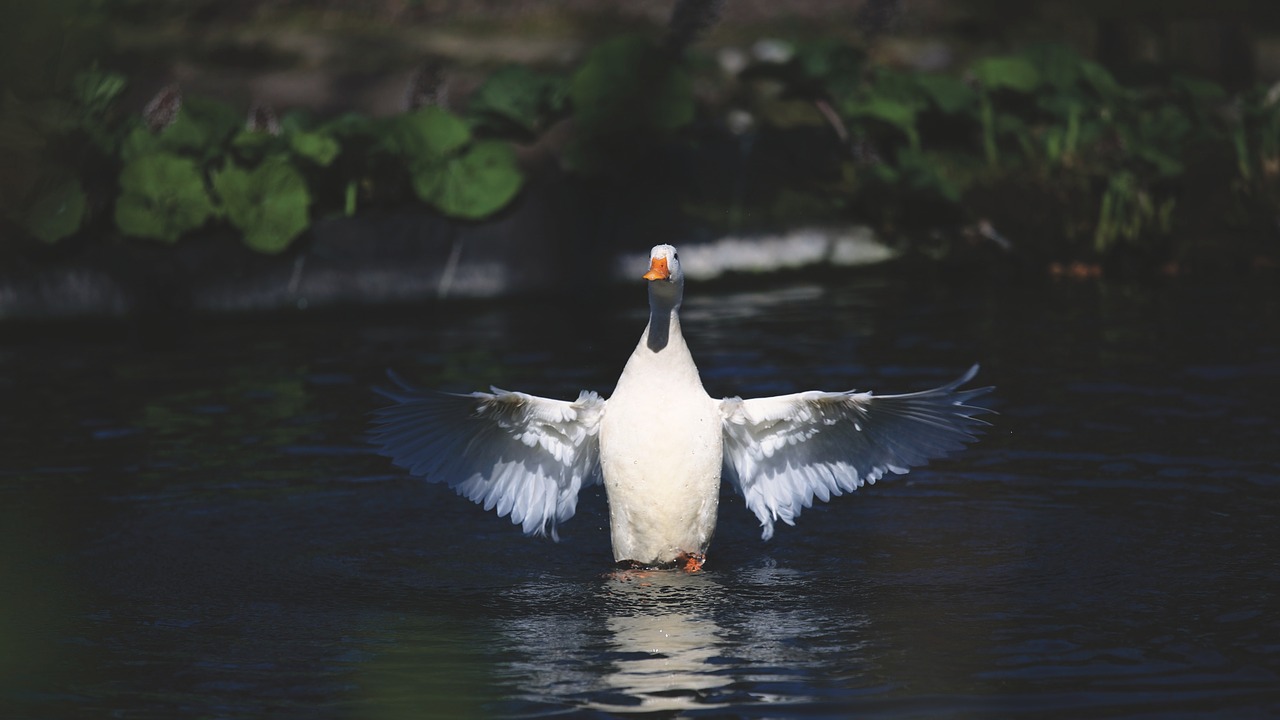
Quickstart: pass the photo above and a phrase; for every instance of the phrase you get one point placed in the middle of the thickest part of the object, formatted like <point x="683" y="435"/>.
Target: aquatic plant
<point x="450" y="170"/>
<point x="518" y="101"/>
<point x="201" y="163"/>
<point x="1099" y="167"/>
<point x="1114" y="163"/>
<point x="269" y="204"/>
<point x="162" y="197"/>
<point x="1254" y="130"/>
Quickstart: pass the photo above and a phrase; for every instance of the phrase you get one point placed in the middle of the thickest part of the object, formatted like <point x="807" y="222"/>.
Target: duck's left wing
<point x="781" y="452"/>
<point x="520" y="454"/>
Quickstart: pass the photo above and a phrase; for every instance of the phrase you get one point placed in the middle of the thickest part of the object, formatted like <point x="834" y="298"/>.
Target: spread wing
<point x="781" y="452"/>
<point x="522" y="455"/>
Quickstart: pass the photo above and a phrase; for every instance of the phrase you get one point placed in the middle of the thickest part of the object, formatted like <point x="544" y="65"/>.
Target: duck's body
<point x="661" y="447"/>
<point x="660" y="443"/>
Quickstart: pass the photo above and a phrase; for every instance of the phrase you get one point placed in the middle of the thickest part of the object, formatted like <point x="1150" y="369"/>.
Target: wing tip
<point x="968" y="375"/>
<point x="960" y="398"/>
<point x="392" y="394"/>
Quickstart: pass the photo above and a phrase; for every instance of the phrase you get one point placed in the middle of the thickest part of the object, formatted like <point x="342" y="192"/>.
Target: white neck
<point x="662" y="352"/>
<point x="664" y="314"/>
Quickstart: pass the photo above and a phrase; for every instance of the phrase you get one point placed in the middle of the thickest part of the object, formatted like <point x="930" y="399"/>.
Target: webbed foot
<point x="690" y="562"/>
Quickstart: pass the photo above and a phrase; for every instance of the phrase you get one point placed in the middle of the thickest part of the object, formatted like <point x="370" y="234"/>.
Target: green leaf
<point x="901" y="115"/>
<point x="162" y="196"/>
<point x="829" y="58"/>
<point x="1060" y="105"/>
<point x="1201" y="92"/>
<point x="139" y="142"/>
<point x="1058" y="65"/>
<point x="1007" y="124"/>
<point x="1164" y="163"/>
<point x="427" y="136"/>
<point x="254" y="145"/>
<point x="354" y="126"/>
<point x="520" y="96"/>
<point x="296" y="121"/>
<point x="1101" y="80"/>
<point x="893" y="112"/>
<point x="630" y="85"/>
<point x="269" y="204"/>
<point x="317" y="147"/>
<point x="350" y="198"/>
<point x="57" y="213"/>
<point x="1009" y="73"/>
<point x="949" y="94"/>
<point x="202" y="128"/>
<point x="920" y="172"/>
<point x="885" y="173"/>
<point x="832" y="64"/>
<point x="474" y="185"/>
<point x="894" y="85"/>
<point x="95" y="90"/>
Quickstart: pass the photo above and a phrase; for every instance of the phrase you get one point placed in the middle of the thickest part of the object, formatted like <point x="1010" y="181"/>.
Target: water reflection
<point x="667" y="641"/>
<point x="633" y="642"/>
<point x="663" y="640"/>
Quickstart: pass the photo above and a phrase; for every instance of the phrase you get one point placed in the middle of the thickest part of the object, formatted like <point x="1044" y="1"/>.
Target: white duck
<point x="660" y="443"/>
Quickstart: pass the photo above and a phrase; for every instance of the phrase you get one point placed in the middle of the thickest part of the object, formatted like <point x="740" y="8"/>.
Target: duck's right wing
<point x="782" y="452"/>
<point x="520" y="454"/>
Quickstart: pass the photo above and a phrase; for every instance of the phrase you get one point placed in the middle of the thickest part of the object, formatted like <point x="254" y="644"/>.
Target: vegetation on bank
<point x="1040" y="150"/>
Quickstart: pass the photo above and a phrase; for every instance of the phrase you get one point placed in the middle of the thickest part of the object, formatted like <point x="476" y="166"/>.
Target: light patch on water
<point x="842" y="247"/>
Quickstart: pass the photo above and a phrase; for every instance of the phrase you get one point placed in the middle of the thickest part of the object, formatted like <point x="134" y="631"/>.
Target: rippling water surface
<point x="195" y="529"/>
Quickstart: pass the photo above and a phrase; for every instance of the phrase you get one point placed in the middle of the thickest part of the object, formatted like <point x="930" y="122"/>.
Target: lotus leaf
<point x="269" y="203"/>
<point x="162" y="196"/>
<point x="474" y="184"/>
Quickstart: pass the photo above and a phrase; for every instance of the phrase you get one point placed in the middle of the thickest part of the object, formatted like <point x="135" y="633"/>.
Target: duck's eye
<point x="675" y="256"/>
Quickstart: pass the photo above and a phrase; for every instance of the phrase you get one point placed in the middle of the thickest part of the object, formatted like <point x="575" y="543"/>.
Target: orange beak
<point x="658" y="269"/>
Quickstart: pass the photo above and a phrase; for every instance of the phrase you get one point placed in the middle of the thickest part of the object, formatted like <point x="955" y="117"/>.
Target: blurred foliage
<point x="268" y="204"/>
<point x="1041" y="140"/>
<point x="518" y="101"/>
<point x="628" y="95"/>
<point x="268" y="183"/>
<point x="52" y="90"/>
<point x="162" y="197"/>
<point x="1117" y="164"/>
<point x="460" y="177"/>
<point x="75" y="163"/>
<point x="57" y="211"/>
<point x="1255" y="137"/>
<point x="200" y="130"/>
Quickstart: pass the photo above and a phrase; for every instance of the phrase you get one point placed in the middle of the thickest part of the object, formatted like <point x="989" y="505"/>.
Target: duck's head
<point x="666" y="280"/>
<point x="664" y="265"/>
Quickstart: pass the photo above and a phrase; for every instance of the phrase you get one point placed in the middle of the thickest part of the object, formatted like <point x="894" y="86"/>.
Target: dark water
<point x="196" y="531"/>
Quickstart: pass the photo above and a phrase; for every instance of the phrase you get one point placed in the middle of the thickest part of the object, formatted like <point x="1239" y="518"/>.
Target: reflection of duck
<point x="661" y="441"/>
<point x="664" y="661"/>
<point x="665" y="642"/>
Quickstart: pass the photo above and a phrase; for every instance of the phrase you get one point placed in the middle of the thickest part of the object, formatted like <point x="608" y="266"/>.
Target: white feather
<point x="783" y="451"/>
<point x="523" y="455"/>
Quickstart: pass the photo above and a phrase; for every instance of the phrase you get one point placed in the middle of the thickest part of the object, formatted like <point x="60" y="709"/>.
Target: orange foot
<point x="690" y="562"/>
